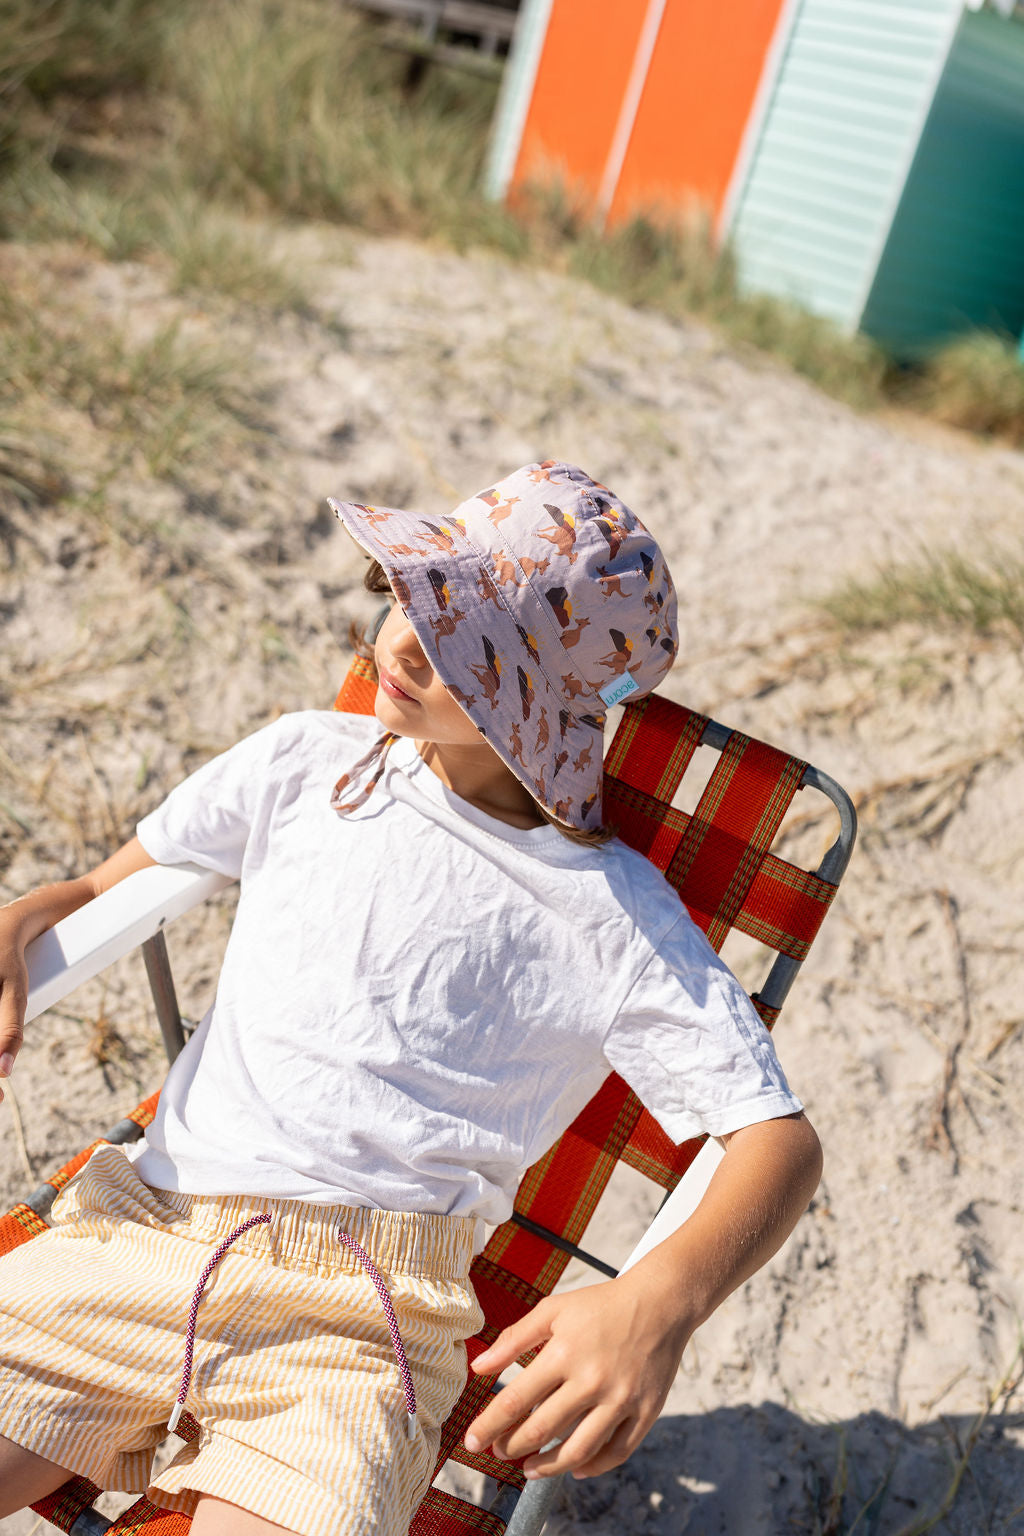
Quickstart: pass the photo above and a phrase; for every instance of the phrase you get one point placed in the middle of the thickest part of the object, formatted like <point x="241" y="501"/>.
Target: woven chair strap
<point x="18" y="1225"/>
<point x="63" y="1507"/>
<point x="143" y="1515"/>
<point x="442" y="1514"/>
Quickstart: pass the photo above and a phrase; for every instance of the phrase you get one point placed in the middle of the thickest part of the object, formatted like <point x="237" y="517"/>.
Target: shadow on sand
<point x="766" y="1471"/>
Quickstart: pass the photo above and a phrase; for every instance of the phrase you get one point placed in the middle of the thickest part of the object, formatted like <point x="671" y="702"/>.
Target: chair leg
<point x="90" y="1523"/>
<point x="534" y="1506"/>
<point x="161" y="984"/>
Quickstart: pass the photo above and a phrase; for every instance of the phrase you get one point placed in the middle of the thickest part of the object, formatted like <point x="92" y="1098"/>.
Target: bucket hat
<point x="540" y="602"/>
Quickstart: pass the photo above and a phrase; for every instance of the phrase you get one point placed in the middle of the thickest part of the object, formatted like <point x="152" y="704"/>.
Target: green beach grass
<point x="163" y="398"/>
<point x="982" y="593"/>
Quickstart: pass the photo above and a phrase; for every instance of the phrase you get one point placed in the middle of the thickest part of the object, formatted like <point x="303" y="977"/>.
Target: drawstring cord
<point x="193" y="1312"/>
<point x="392" y="1322"/>
<point x="379" y="750"/>
<point x="378" y="1282"/>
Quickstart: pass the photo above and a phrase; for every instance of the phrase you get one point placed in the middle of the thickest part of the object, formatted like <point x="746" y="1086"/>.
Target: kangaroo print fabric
<point x="540" y="603"/>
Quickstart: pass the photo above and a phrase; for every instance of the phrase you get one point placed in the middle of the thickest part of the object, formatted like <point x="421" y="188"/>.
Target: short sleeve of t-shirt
<point x="689" y="1043"/>
<point x="206" y="820"/>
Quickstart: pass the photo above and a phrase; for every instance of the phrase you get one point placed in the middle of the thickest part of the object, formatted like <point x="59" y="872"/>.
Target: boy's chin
<point x="391" y="716"/>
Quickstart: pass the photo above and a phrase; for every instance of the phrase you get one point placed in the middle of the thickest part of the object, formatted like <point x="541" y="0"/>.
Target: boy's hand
<point x="23" y="920"/>
<point x="609" y="1358"/>
<point x="610" y="1351"/>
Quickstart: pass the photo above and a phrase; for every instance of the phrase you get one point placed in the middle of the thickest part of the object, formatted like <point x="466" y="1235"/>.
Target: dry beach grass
<point x="133" y="127"/>
<point x="172" y="580"/>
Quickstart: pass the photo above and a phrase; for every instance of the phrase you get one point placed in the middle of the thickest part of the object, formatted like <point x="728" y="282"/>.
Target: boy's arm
<point x="23" y="920"/>
<point x="611" y="1351"/>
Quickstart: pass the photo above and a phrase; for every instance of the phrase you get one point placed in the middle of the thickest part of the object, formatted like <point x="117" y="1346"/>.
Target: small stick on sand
<point x="939" y="1134"/>
<point x="19" y="1132"/>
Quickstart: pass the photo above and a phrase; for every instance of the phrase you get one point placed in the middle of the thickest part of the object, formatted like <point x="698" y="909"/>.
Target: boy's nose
<point x="405" y="643"/>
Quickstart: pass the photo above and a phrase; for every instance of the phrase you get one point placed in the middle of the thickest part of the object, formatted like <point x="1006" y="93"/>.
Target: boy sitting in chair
<point x="439" y="954"/>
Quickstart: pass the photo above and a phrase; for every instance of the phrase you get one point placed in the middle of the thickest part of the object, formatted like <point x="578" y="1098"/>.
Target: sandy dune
<point x="867" y="1378"/>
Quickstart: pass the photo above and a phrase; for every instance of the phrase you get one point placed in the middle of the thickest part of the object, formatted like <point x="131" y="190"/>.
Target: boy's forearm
<point x="30" y="915"/>
<point x="758" y="1193"/>
<point x="40" y="910"/>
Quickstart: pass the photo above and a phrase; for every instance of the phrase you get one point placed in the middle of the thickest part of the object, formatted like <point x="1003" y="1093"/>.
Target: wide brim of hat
<point x="474" y="644"/>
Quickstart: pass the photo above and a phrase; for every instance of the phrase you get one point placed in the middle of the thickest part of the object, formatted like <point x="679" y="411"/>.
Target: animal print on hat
<point x="540" y="603"/>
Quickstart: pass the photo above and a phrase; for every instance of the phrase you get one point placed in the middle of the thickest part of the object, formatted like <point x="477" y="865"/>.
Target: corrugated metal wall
<point x="955" y="254"/>
<point x="853" y="90"/>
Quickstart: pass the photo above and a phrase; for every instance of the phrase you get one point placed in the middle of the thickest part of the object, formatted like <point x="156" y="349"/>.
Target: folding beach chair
<point x="718" y="858"/>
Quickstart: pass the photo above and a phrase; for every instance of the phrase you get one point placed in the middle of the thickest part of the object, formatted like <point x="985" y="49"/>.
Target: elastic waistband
<point x="302" y="1234"/>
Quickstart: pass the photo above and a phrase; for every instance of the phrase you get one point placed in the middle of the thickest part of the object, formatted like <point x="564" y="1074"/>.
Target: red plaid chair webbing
<point x="65" y="1506"/>
<point x="717" y="858"/>
<point x="22" y="1222"/>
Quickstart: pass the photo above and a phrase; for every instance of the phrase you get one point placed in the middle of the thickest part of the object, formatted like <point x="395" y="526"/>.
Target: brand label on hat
<point x="621" y="688"/>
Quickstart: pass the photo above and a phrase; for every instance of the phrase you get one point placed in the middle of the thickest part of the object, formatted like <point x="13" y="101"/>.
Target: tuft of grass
<point x="983" y="593"/>
<point x="212" y="250"/>
<point x="207" y="246"/>
<point x="678" y="268"/>
<point x="37" y="203"/>
<point x="167" y="397"/>
<point x="850" y="368"/>
<point x="59" y="59"/>
<point x="29" y="467"/>
<point x="674" y="267"/>
<point x="295" y="109"/>
<point x="176" y="399"/>
<point x="976" y="383"/>
<point x="84" y="47"/>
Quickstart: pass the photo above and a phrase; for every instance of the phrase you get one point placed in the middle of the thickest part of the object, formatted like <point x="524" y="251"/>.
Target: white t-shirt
<point x="416" y="999"/>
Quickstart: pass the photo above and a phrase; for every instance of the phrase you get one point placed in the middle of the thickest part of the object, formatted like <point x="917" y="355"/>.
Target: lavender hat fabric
<point x="540" y="603"/>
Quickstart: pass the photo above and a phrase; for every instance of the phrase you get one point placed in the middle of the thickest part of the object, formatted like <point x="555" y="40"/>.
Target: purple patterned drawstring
<point x="392" y="1322"/>
<point x="193" y="1312"/>
<point x="380" y="749"/>
<point x="379" y="1285"/>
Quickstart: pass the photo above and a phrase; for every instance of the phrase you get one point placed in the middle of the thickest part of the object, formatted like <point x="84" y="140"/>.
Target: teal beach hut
<point x="882" y="182"/>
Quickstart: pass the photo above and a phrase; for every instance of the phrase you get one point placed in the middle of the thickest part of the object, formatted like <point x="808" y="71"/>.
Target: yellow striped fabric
<point x="295" y="1383"/>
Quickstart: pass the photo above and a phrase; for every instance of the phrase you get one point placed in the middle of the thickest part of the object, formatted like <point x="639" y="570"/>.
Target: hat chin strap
<point x="350" y="781"/>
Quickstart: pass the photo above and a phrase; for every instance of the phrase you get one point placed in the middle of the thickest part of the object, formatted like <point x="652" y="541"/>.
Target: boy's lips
<point x="392" y="688"/>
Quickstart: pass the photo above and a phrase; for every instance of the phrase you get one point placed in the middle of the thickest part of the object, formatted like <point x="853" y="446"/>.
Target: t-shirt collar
<point x="404" y="756"/>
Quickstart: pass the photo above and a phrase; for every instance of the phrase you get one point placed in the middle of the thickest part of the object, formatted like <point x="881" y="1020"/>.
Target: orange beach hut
<point x="635" y="103"/>
<point x="864" y="158"/>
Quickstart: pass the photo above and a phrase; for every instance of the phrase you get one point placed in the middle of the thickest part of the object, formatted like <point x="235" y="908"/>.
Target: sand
<point x="866" y="1380"/>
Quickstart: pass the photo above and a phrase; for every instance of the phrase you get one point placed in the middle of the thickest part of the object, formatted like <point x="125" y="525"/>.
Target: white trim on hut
<point x="513" y="102"/>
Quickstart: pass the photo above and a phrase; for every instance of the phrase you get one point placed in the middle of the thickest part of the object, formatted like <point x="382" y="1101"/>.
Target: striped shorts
<point x="296" y="1386"/>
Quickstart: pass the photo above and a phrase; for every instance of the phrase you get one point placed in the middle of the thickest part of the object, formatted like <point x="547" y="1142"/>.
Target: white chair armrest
<point x="112" y="925"/>
<point x="681" y="1203"/>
